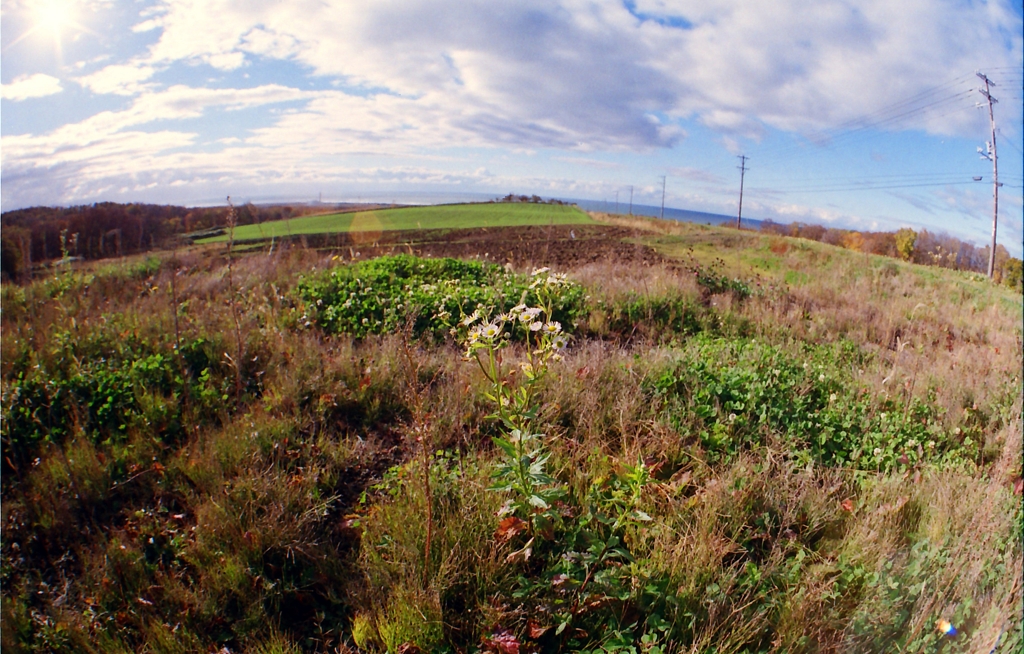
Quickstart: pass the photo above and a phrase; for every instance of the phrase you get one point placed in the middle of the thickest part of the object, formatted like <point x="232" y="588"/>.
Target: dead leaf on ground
<point x="509" y="528"/>
<point x="535" y="630"/>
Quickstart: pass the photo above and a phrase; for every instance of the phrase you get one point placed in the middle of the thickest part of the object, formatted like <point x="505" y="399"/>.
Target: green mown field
<point x="461" y="216"/>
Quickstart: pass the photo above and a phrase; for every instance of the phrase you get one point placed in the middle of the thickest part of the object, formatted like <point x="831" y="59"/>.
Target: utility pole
<point x="616" y="202"/>
<point x="990" y="154"/>
<point x="743" y="170"/>
<point x="663" y="197"/>
<point x="631" y="199"/>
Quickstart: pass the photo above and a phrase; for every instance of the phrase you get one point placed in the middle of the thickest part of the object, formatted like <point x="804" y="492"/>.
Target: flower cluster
<point x="543" y="335"/>
<point x="544" y="279"/>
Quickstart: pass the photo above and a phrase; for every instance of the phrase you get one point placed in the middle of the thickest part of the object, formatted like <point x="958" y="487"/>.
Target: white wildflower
<point x="529" y="315"/>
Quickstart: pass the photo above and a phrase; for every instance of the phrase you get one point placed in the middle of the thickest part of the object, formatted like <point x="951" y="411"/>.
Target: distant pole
<point x="991" y="154"/>
<point x="631" y="199"/>
<point x="743" y="170"/>
<point x="663" y="197"/>
<point x="616" y="202"/>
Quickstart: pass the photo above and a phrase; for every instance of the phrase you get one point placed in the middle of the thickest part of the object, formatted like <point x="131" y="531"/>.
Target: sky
<point x="850" y="113"/>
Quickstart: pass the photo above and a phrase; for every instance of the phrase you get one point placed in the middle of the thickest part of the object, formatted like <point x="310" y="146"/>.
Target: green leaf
<point x="538" y="501"/>
<point x="505" y="446"/>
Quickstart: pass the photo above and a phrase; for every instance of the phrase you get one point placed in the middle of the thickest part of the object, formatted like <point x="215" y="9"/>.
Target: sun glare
<point x="52" y="20"/>
<point x="53" y="16"/>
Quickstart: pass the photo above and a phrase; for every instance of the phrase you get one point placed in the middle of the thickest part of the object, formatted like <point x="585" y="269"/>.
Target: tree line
<point x="922" y="247"/>
<point x="36" y="235"/>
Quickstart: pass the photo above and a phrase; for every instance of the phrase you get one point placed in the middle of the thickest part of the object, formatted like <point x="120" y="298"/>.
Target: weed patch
<point x="733" y="394"/>
<point x="392" y="294"/>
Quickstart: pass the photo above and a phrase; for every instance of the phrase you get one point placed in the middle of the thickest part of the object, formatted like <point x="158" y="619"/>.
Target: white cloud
<point x="31" y="86"/>
<point x="268" y="43"/>
<point x="799" y="66"/>
<point x="118" y="79"/>
<point x="524" y="76"/>
<point x="225" y="60"/>
<point x="592" y="163"/>
<point x="146" y="26"/>
<point x="110" y="145"/>
<point x="588" y="75"/>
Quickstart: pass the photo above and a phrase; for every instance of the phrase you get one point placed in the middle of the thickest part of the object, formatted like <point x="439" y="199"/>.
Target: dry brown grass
<point x="261" y="497"/>
<point x="962" y="350"/>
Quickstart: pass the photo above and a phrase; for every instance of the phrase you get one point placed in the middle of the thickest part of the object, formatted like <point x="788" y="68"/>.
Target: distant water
<point x="683" y="215"/>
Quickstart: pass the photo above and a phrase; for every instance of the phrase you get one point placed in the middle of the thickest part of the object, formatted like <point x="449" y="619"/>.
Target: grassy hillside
<point x="460" y="216"/>
<point x="696" y="440"/>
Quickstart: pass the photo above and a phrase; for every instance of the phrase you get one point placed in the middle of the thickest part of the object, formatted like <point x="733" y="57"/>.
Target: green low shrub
<point x="394" y="293"/>
<point x="733" y="394"/>
<point x="104" y="391"/>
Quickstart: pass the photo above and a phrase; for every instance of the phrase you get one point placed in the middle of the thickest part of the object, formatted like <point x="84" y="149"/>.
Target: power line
<point x="1009" y="142"/>
<point x="853" y="187"/>
<point x="886" y="177"/>
<point x="872" y="182"/>
<point x="833" y="138"/>
<point x="924" y="102"/>
<point x="880" y="114"/>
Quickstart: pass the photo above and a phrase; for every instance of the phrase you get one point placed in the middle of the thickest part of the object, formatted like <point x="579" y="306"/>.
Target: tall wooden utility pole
<point x="663" y="197"/>
<point x="990" y="154"/>
<point x="743" y="170"/>
<point x="631" y="199"/>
